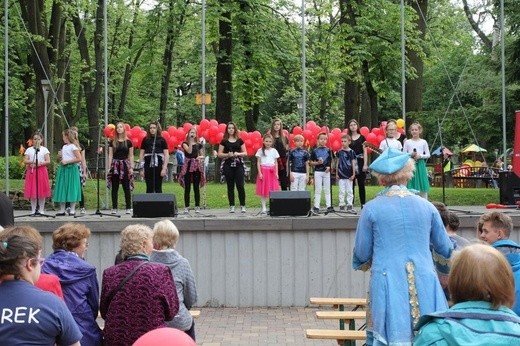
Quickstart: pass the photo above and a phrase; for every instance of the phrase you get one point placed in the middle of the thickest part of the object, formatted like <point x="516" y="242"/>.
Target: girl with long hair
<point x="361" y="156"/>
<point x="153" y="158"/>
<point x="121" y="159"/>
<point x="281" y="144"/>
<point x="232" y="150"/>
<point x="193" y="169"/>
<point x="37" y="158"/>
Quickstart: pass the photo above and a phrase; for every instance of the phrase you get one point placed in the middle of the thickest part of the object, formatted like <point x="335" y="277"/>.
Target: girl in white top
<point x="420" y="152"/>
<point x="390" y="141"/>
<point x="37" y="188"/>
<point x="267" y="179"/>
<point x="68" y="185"/>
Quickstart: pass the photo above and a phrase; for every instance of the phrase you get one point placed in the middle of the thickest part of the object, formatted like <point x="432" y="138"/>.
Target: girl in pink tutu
<point x="267" y="179"/>
<point x="37" y="158"/>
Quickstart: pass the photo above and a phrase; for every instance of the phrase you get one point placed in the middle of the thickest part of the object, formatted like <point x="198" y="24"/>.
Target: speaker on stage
<point x="154" y="205"/>
<point x="289" y="203"/>
<point x="509" y="184"/>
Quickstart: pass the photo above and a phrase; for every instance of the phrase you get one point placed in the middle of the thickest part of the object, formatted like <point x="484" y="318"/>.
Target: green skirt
<point x="420" y="181"/>
<point x="68" y="185"/>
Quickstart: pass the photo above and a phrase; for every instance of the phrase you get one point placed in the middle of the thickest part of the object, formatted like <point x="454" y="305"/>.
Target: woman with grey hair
<point x="136" y="296"/>
<point x="393" y="238"/>
<point x="165" y="238"/>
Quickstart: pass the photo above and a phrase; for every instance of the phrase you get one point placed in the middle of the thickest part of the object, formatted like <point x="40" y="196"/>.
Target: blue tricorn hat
<point x="390" y="161"/>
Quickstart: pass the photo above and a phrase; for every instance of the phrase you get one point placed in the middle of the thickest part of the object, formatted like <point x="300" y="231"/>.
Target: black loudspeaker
<point x="509" y="184"/>
<point x="289" y="203"/>
<point x="154" y="205"/>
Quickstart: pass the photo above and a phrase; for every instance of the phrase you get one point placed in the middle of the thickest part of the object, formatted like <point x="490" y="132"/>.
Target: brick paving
<point x="259" y="326"/>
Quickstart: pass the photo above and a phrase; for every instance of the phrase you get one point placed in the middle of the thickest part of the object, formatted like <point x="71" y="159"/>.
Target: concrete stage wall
<point x="252" y="261"/>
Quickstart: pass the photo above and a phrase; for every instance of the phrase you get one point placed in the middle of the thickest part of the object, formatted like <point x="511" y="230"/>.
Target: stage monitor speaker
<point x="289" y="203"/>
<point x="509" y="184"/>
<point x="154" y="205"/>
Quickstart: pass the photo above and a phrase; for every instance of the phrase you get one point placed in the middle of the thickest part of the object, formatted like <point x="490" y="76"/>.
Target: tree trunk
<point x="414" y="87"/>
<point x="224" y="69"/>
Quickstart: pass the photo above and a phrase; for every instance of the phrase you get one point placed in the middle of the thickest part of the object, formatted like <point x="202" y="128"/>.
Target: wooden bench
<point x="357" y="302"/>
<point x="345" y="335"/>
<point x="195" y="313"/>
<point x="344" y="317"/>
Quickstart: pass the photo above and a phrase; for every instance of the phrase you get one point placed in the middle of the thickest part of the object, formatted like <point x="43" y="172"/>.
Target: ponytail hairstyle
<point x="14" y="250"/>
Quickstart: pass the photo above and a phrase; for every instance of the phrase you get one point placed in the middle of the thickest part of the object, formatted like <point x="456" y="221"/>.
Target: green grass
<point x="217" y="194"/>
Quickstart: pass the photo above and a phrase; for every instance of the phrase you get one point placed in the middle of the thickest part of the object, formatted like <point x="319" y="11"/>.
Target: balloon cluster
<point x="213" y="132"/>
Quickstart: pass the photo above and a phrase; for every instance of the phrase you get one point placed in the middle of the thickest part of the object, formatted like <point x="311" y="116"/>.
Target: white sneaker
<point x="129" y="211"/>
<point x="114" y="211"/>
<point x="232" y="209"/>
<point x="197" y="210"/>
<point x="82" y="211"/>
<point x="186" y="210"/>
<point x="243" y="209"/>
<point x="67" y="210"/>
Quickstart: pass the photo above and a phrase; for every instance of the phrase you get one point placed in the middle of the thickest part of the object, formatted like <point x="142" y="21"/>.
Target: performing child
<point x="298" y="165"/>
<point x="390" y="141"/>
<point x="68" y="184"/>
<point x="193" y="169"/>
<point x="420" y="152"/>
<point x="362" y="158"/>
<point x="346" y="173"/>
<point x="121" y="158"/>
<point x="267" y="179"/>
<point x="321" y="160"/>
<point x="281" y="144"/>
<point x="153" y="158"/>
<point x="232" y="150"/>
<point x="37" y="158"/>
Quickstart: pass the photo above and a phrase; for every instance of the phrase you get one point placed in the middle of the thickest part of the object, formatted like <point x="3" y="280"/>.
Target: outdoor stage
<point x="247" y="260"/>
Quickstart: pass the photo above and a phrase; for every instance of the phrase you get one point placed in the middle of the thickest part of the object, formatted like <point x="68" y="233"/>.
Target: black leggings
<point x="360" y="180"/>
<point x="152" y="176"/>
<point x="235" y="176"/>
<point x="192" y="178"/>
<point x="125" y="182"/>
<point x="282" y="177"/>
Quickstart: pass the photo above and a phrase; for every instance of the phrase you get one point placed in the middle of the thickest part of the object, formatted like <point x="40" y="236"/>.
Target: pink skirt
<point x="268" y="182"/>
<point x="44" y="190"/>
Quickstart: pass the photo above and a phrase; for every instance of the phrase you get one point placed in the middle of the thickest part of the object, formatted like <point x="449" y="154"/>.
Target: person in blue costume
<point x="482" y="290"/>
<point x="393" y="239"/>
<point x="495" y="228"/>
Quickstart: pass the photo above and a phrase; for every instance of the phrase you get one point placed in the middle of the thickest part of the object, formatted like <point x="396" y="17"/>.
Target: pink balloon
<point x="297" y="130"/>
<point x="165" y="336"/>
<point x="364" y="131"/>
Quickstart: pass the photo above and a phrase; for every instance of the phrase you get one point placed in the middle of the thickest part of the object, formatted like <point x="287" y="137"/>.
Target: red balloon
<point x="364" y="131"/>
<point x="136" y="142"/>
<point x="244" y="135"/>
<point x="285" y="132"/>
<point x="371" y="138"/>
<point x="335" y="131"/>
<point x="297" y="130"/>
<point x="379" y="139"/>
<point x="127" y="127"/>
<point x="187" y="127"/>
<point x="336" y="145"/>
<point x="109" y="131"/>
<point x="172" y="130"/>
<point x="165" y="135"/>
<point x="213" y="122"/>
<point x="204" y="125"/>
<point x="376" y="131"/>
<point x="310" y="124"/>
<point x="325" y="129"/>
<point x="213" y="130"/>
<point x="165" y="336"/>
<point x="256" y="134"/>
<point x="307" y="134"/>
<point x="181" y="134"/>
<point x="205" y="134"/>
<point x="222" y="127"/>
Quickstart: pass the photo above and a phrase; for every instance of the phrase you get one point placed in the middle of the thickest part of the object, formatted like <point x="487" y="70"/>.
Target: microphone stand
<point x="98" y="210"/>
<point x="37" y="211"/>
<point x="153" y="158"/>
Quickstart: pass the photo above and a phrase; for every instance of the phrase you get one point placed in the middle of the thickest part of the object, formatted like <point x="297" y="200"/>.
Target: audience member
<point x="165" y="237"/>
<point x="6" y="211"/>
<point x="77" y="277"/>
<point x="30" y="316"/>
<point x="393" y="239"/>
<point x="452" y="228"/>
<point x="46" y="282"/>
<point x="136" y="296"/>
<point x="482" y="290"/>
<point x="495" y="228"/>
